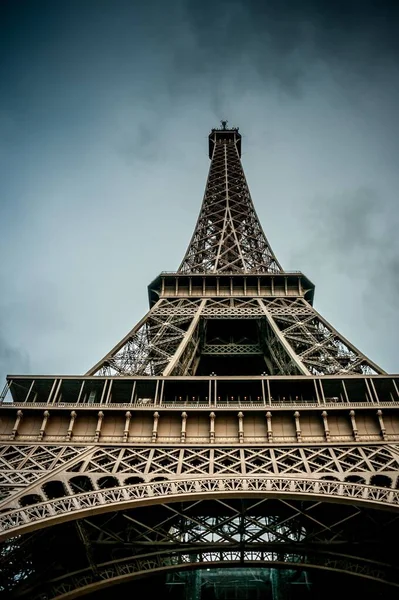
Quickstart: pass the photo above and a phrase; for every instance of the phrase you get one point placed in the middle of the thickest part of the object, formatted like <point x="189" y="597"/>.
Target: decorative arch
<point x="121" y="571"/>
<point x="96" y="501"/>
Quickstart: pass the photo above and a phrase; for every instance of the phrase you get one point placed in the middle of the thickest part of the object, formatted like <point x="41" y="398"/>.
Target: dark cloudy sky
<point x="105" y="106"/>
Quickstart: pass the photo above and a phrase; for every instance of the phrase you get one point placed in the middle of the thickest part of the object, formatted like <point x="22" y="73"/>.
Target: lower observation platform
<point x="192" y="410"/>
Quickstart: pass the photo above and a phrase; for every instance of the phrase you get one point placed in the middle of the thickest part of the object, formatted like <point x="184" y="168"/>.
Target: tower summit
<point x="232" y="427"/>
<point x="228" y="237"/>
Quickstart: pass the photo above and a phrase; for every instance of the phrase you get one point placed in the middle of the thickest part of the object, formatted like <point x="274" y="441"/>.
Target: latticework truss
<point x="228" y="236"/>
<point x="228" y="240"/>
<point x="153" y="342"/>
<point x="319" y="348"/>
<point x="133" y="511"/>
<point x="28" y="469"/>
<point x="292" y="337"/>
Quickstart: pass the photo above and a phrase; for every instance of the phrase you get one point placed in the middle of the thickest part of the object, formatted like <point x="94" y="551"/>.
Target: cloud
<point x="12" y="360"/>
<point x="355" y="231"/>
<point x="352" y="249"/>
<point x="284" y="42"/>
<point x="105" y="115"/>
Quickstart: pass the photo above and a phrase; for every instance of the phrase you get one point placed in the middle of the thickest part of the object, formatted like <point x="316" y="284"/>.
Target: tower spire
<point x="228" y="237"/>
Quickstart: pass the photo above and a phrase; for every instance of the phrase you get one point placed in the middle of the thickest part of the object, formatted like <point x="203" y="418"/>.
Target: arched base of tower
<point x="284" y="547"/>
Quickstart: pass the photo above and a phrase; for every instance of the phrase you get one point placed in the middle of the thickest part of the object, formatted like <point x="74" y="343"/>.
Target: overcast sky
<point x="105" y="108"/>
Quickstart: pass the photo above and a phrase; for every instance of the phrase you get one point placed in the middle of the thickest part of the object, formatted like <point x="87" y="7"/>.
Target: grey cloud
<point x="352" y="246"/>
<point x="106" y="157"/>
<point x="12" y="359"/>
<point x="356" y="230"/>
<point x="283" y="42"/>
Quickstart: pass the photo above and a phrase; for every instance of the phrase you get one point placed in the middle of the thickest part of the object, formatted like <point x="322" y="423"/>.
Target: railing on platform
<point x="201" y="392"/>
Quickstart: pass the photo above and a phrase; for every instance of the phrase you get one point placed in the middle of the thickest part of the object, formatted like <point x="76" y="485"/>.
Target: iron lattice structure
<point x="228" y="237"/>
<point x="233" y="426"/>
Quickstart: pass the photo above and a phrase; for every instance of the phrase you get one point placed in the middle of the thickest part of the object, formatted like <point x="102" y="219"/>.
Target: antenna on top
<point x="224" y="124"/>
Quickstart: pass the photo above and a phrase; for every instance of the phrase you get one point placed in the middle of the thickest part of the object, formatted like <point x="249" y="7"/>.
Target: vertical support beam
<point x="354" y="426"/>
<point x="240" y="427"/>
<point x="70" y="426"/>
<point x="382" y="425"/>
<point x="324" y="414"/>
<point x="372" y="394"/>
<point x="345" y="391"/>
<point x="104" y="390"/>
<point x="258" y="280"/>
<point x="183" y="427"/>
<point x="99" y="425"/>
<point x="108" y="396"/>
<point x="81" y="391"/>
<point x="269" y="398"/>
<point x="155" y="427"/>
<point x="245" y="286"/>
<point x="46" y="415"/>
<point x="128" y="416"/>
<point x="212" y="427"/>
<point x="269" y="426"/>
<point x="20" y="414"/>
<point x="156" y="393"/>
<point x="316" y="390"/>
<point x="263" y="392"/>
<point x="322" y="390"/>
<point x="133" y="392"/>
<point x="297" y="426"/>
<point x="51" y="391"/>
<point x="161" y="393"/>
<point x="29" y="391"/>
<point x="55" y="397"/>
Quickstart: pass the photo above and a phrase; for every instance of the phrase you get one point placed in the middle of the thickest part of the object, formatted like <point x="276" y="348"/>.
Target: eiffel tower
<point x="232" y="445"/>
